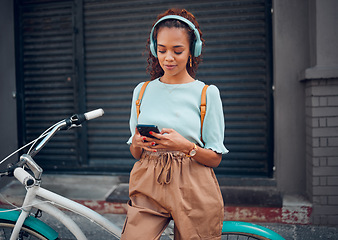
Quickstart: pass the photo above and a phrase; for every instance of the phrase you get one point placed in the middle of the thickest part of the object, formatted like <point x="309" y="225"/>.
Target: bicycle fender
<point x="30" y="222"/>
<point x="244" y="227"/>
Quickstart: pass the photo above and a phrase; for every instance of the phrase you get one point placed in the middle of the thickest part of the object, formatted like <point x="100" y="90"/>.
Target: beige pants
<point x="168" y="185"/>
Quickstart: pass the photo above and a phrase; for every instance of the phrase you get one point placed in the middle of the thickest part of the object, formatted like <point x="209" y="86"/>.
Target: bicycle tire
<point x="6" y="228"/>
<point x="241" y="236"/>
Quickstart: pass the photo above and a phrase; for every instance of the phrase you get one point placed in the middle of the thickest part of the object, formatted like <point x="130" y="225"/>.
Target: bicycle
<point x="22" y="223"/>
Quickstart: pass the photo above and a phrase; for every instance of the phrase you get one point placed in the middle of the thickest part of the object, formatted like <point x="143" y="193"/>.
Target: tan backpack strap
<point x="203" y="106"/>
<point x="138" y="101"/>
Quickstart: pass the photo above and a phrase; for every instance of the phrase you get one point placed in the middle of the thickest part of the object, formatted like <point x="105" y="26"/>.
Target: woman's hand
<point x="167" y="139"/>
<point x="140" y="143"/>
<point x="171" y="140"/>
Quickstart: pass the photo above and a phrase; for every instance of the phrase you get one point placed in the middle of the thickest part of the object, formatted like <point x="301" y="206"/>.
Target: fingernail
<point x="153" y="143"/>
<point x="151" y="132"/>
<point x="154" y="150"/>
<point x="144" y="138"/>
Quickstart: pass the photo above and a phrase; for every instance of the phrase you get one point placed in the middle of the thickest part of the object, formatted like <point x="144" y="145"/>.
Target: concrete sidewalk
<point x="108" y="195"/>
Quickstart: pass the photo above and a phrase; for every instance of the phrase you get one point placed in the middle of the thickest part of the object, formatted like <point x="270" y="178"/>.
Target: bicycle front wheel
<point x="6" y="228"/>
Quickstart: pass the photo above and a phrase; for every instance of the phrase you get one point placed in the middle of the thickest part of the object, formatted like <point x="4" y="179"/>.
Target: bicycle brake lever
<point x="11" y="167"/>
<point x="10" y="170"/>
<point x="73" y="121"/>
<point x="77" y="119"/>
<point x="68" y="124"/>
<point x="75" y="126"/>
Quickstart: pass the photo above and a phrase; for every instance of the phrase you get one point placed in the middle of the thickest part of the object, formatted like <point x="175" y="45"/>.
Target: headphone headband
<point x="197" y="45"/>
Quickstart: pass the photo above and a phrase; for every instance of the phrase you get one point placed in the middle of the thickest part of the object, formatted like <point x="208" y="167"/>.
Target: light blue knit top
<point x="177" y="106"/>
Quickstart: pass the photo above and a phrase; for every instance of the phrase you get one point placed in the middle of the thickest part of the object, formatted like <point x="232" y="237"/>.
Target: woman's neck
<point x="176" y="79"/>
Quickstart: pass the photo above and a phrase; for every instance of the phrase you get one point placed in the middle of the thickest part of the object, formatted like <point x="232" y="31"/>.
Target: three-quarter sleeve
<point x="133" y="114"/>
<point x="213" y="127"/>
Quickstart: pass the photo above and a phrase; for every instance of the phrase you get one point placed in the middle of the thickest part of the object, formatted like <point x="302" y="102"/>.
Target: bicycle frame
<point x="34" y="190"/>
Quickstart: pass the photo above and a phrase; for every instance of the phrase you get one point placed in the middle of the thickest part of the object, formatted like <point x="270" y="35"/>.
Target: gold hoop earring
<point x="190" y="61"/>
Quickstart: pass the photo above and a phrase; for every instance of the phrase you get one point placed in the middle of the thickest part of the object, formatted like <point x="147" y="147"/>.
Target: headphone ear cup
<point x="197" y="48"/>
<point x="153" y="48"/>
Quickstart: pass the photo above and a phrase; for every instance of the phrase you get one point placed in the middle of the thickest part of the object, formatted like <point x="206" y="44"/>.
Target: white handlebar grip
<point x="94" y="114"/>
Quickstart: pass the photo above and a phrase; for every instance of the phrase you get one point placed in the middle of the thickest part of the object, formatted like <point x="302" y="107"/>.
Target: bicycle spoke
<point x="6" y="228"/>
<point x="2" y="235"/>
<point x="240" y="236"/>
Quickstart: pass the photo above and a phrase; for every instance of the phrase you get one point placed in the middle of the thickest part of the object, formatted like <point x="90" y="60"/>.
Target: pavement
<point x="108" y="195"/>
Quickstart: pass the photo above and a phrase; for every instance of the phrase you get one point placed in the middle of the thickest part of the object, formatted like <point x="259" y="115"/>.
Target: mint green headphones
<point x="197" y="45"/>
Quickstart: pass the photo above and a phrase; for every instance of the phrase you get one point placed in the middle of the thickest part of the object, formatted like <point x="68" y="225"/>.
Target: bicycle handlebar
<point x="73" y="121"/>
<point x="66" y="124"/>
<point x="77" y="119"/>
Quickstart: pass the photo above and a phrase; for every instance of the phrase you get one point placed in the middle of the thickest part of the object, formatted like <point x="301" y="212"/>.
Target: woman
<point x="173" y="178"/>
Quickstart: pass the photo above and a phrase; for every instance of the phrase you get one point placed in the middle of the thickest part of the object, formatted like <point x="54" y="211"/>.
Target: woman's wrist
<point x="189" y="147"/>
<point x="136" y="151"/>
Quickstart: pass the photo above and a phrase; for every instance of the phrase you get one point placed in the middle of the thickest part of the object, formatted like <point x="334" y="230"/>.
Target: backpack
<point x="202" y="107"/>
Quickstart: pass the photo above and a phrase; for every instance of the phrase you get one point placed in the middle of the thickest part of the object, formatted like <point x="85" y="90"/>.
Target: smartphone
<point x="145" y="129"/>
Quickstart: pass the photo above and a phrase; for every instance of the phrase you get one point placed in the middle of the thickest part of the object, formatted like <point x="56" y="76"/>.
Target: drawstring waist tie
<point x="164" y="160"/>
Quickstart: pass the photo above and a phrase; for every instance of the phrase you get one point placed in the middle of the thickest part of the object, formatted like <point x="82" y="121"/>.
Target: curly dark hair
<point x="154" y="68"/>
